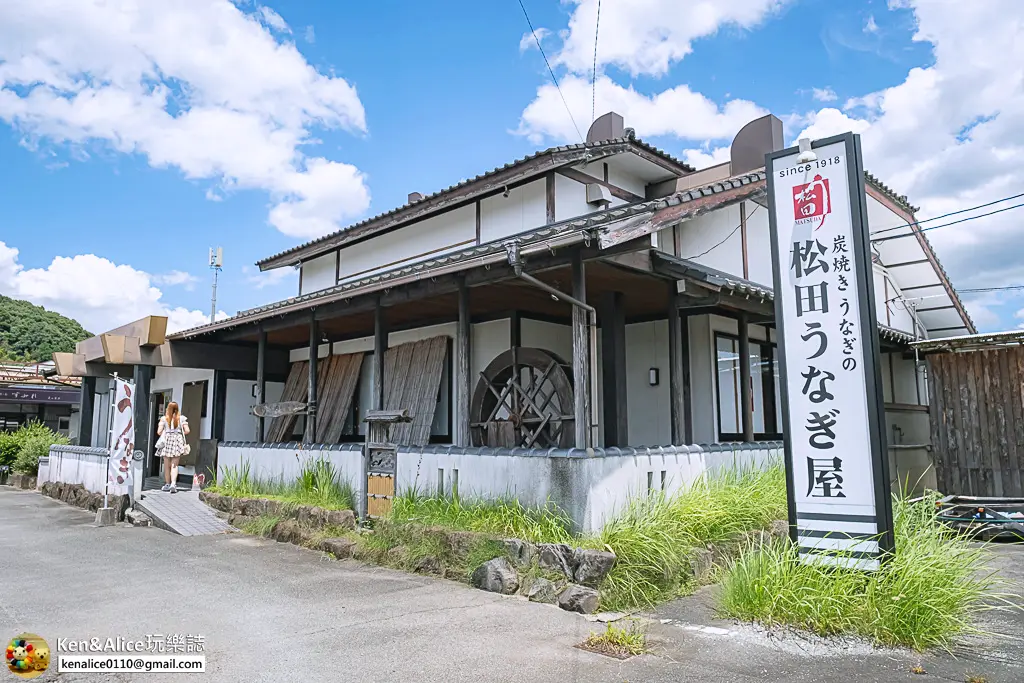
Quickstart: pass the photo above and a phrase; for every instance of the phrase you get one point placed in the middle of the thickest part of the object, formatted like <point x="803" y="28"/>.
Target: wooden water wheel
<point x="524" y="399"/>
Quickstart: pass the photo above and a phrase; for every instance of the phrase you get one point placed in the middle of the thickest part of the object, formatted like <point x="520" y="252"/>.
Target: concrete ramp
<point x="182" y="513"/>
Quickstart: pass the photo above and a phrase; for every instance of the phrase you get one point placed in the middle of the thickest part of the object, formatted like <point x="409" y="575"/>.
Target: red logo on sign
<point x="812" y="201"/>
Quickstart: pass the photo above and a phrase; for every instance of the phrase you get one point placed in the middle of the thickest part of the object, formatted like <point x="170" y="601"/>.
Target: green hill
<point x="32" y="333"/>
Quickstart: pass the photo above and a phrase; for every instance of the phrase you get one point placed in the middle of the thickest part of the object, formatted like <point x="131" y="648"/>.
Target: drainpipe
<point x="515" y="260"/>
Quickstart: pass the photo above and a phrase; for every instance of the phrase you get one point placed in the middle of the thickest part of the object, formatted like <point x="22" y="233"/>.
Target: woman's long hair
<point x="173" y="415"/>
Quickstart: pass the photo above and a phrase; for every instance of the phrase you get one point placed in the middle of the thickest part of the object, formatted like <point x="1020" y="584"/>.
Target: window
<point x="764" y="389"/>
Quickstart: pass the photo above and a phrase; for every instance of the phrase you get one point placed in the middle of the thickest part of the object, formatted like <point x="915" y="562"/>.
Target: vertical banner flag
<point x="122" y="432"/>
<point x="840" y="511"/>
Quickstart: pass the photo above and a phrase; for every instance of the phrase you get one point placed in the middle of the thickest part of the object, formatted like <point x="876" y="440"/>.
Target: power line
<point x="945" y="225"/>
<point x="551" y="71"/>
<point x="978" y="290"/>
<point x="593" y="73"/>
<point x="726" y="238"/>
<point x="951" y="213"/>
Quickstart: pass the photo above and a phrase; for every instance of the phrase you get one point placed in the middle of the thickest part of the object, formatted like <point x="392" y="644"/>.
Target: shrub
<point x="923" y="596"/>
<point x="34" y="440"/>
<point x="10" y="444"/>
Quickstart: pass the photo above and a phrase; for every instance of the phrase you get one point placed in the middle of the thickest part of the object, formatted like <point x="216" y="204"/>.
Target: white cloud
<point x="528" y="42"/>
<point x="274" y="20"/>
<point x="200" y="86"/>
<point x="310" y="35"/>
<point x="824" y="94"/>
<point x="703" y="158"/>
<point x="677" y="111"/>
<point x="95" y="291"/>
<point x="948" y="136"/>
<point x="870" y="26"/>
<point x="179" y="318"/>
<point x="176" y="278"/>
<point x="648" y="36"/>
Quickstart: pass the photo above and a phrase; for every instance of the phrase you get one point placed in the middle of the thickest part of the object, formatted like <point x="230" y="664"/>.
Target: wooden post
<point x="261" y="382"/>
<point x="746" y="407"/>
<point x="684" y="338"/>
<point x="462" y="353"/>
<point x="380" y="346"/>
<point x="220" y="403"/>
<point x="314" y="357"/>
<point x="86" y="406"/>
<point x="677" y="408"/>
<point x="580" y="355"/>
<point x="613" y="364"/>
<point x="141" y="417"/>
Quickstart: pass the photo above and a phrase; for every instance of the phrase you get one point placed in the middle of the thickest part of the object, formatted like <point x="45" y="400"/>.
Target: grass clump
<point x="427" y="549"/>
<point x="507" y="517"/>
<point x="618" y="642"/>
<point x="262" y="525"/>
<point x="654" y="537"/>
<point x="318" y="484"/>
<point x="922" y="597"/>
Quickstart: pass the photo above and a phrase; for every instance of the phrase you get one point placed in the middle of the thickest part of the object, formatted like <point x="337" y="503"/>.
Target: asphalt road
<point x="273" y="612"/>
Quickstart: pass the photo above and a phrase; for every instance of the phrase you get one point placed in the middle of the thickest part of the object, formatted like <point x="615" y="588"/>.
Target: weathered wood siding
<point x="977" y="421"/>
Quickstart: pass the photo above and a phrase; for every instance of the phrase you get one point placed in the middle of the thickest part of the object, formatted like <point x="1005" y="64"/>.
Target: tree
<point x="32" y="333"/>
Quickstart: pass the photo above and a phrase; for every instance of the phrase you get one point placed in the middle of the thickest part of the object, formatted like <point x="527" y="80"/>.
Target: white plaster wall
<point x="550" y="336"/>
<point x="174" y="379"/>
<point x="759" y="246"/>
<point x="239" y="423"/>
<point x="524" y="209"/>
<point x="703" y="233"/>
<point x="422" y="240"/>
<point x="322" y="351"/>
<point x="626" y="180"/>
<point x="571" y="199"/>
<point x="285" y="464"/>
<point x="319" y="273"/>
<point x="648" y="407"/>
<point x="101" y="413"/>
<point x="592" y="491"/>
<point x="489" y="340"/>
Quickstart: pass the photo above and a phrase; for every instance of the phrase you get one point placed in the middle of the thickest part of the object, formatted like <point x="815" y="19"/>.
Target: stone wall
<point x="79" y="496"/>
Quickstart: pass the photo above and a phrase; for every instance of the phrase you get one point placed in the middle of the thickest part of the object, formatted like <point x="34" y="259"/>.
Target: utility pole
<point x="216" y="263"/>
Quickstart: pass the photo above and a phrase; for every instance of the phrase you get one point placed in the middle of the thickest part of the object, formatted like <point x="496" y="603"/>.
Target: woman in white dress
<point x="171" y="444"/>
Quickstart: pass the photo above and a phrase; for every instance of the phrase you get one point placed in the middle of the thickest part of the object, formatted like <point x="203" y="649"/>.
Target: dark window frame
<point x="769" y="399"/>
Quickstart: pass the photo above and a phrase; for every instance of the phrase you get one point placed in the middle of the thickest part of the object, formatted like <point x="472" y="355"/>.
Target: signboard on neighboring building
<point x="49" y="395"/>
<point x="836" y="465"/>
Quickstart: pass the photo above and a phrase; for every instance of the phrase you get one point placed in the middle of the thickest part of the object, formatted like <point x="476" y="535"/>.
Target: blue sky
<point x="446" y="91"/>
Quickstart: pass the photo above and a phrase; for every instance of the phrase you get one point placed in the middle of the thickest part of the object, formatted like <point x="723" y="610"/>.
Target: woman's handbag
<point x="188" y="449"/>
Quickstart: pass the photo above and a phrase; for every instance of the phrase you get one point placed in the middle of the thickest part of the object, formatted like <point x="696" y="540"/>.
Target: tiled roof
<point x="899" y="199"/>
<point x="581" y="148"/>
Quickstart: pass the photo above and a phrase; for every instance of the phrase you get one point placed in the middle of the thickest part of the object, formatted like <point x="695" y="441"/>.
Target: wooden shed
<point x="976" y="393"/>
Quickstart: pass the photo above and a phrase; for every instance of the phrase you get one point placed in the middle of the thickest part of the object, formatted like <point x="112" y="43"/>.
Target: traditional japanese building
<point x="30" y="392"/>
<point x="598" y="301"/>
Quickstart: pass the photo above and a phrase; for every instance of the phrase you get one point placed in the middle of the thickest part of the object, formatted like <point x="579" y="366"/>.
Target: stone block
<point x="542" y="590"/>
<point x="106" y="517"/>
<point x="428" y="565"/>
<point x="341" y="548"/>
<point x="137" y="518"/>
<point x="592" y="566"/>
<point x="253" y="507"/>
<point x="345" y="519"/>
<point x="578" y="599"/>
<point x="702" y="565"/>
<point x="286" y="531"/>
<point x="497" y="576"/>
<point x="273" y="508"/>
<point x="557" y="557"/>
<point x="521" y="552"/>
<point x="779" y="529"/>
<point x="238" y="505"/>
<point x="238" y="521"/>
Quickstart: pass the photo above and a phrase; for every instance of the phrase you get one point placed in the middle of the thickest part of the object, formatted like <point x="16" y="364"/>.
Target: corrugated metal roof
<point x="581" y="148"/>
<point x="986" y="340"/>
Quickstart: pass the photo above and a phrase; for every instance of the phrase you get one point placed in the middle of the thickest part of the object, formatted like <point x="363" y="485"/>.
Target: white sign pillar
<point x="840" y="507"/>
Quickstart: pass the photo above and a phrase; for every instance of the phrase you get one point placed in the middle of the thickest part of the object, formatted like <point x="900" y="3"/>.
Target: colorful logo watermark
<point x="27" y="655"/>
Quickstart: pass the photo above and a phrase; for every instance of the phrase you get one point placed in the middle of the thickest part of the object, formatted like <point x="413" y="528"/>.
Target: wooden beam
<point x="580" y="355"/>
<point x="618" y="192"/>
<point x="380" y="346"/>
<point x="694" y="208"/>
<point x="463" y="334"/>
<point x="261" y="382"/>
<point x="677" y="409"/>
<point x="210" y="356"/>
<point x="311" y="397"/>
<point x="549" y="193"/>
<point x="150" y="331"/>
<point x="613" y="363"/>
<point x="746" y="406"/>
<point x="743" y="240"/>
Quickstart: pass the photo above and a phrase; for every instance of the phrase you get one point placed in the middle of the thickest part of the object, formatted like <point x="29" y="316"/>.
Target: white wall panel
<point x="319" y="273"/>
<point x="524" y="209"/>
